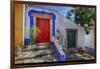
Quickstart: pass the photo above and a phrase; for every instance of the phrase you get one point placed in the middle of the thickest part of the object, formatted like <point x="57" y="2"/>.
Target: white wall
<point x="64" y="24"/>
<point x="89" y="39"/>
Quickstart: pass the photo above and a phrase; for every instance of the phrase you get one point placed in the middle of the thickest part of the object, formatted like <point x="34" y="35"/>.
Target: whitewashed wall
<point x="89" y="39"/>
<point x="62" y="23"/>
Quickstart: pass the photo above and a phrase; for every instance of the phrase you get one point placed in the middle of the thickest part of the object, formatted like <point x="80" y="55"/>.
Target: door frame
<point x="76" y="37"/>
<point x="32" y="19"/>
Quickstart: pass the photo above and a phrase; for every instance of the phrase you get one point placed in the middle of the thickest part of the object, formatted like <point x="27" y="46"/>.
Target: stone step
<point x="47" y="58"/>
<point x="31" y="54"/>
<point x="35" y="47"/>
<point x="36" y="54"/>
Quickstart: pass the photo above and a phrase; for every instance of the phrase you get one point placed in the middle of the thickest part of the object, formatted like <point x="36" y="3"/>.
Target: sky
<point x="61" y="9"/>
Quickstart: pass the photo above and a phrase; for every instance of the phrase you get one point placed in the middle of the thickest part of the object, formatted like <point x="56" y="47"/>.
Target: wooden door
<point x="71" y="38"/>
<point x="43" y="34"/>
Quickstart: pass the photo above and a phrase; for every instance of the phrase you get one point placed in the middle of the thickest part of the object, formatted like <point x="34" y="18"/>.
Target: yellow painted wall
<point x="18" y="24"/>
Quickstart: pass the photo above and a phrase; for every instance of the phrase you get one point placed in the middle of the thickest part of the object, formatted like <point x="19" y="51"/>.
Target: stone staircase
<point x="36" y="54"/>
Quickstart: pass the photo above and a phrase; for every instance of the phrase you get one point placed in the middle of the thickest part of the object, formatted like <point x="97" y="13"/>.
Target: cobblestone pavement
<point x="36" y="54"/>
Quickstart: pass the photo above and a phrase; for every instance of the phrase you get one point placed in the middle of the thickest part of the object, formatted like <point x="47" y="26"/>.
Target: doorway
<point x="43" y="34"/>
<point x="71" y="38"/>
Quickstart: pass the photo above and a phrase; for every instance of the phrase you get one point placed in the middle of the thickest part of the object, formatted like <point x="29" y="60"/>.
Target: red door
<point x="43" y="34"/>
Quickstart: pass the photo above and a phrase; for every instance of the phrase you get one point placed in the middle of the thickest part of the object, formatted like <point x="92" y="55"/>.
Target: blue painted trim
<point x="26" y="41"/>
<point x="58" y="54"/>
<point x="53" y="25"/>
<point x="42" y="12"/>
<point x="32" y="22"/>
